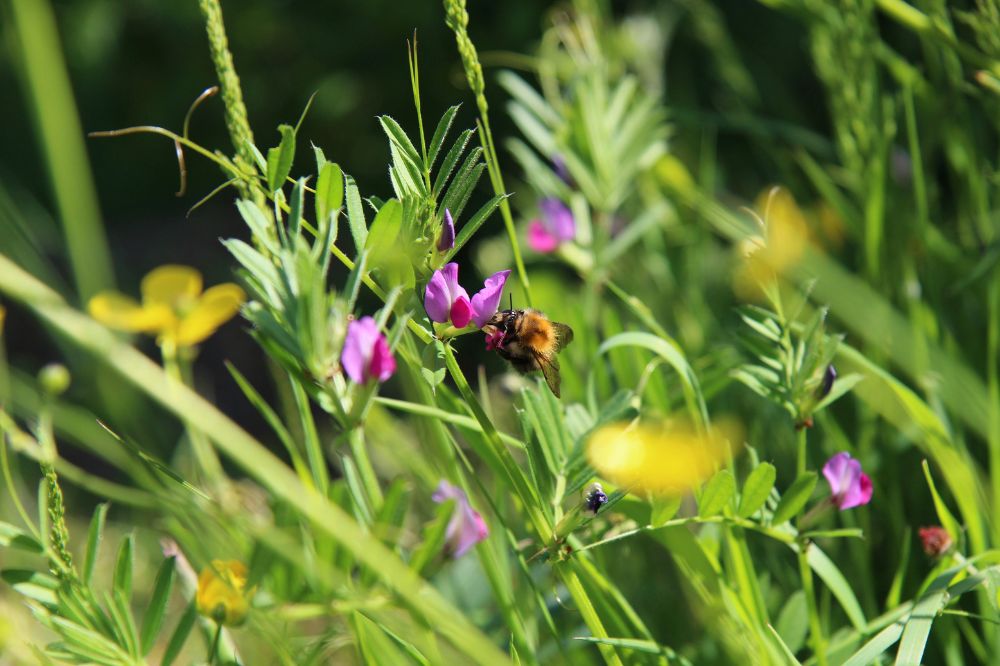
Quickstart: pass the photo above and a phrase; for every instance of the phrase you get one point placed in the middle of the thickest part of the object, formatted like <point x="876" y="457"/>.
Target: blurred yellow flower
<point x="784" y="240"/>
<point x="662" y="459"/>
<point x="221" y="592"/>
<point x="173" y="306"/>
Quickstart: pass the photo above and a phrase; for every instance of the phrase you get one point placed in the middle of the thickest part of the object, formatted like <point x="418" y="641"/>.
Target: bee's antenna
<point x="511" y="296"/>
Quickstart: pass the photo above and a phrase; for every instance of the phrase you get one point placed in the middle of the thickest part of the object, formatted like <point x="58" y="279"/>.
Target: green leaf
<point x="434" y="535"/>
<point x="329" y="191"/>
<point x="355" y="214"/>
<point x="793" y="621"/>
<point x="13" y="537"/>
<point x="870" y="652"/>
<point x="440" y="133"/>
<point x="279" y="160"/>
<point x="450" y="160"/>
<point x="717" y="493"/>
<point x="385" y="230"/>
<point x="94" y="536"/>
<point x="123" y="567"/>
<point x="795" y="498"/>
<point x="756" y="490"/>
<point x="179" y="637"/>
<point x="157" y="607"/>
<point x="835" y="580"/>
<point x="295" y="210"/>
<point x="670" y="351"/>
<point x="477" y="220"/>
<point x="33" y="584"/>
<point x="944" y="515"/>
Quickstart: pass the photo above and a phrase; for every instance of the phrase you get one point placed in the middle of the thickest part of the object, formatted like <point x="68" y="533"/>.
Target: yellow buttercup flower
<point x="661" y="459"/>
<point x="222" y="593"/>
<point x="173" y="306"/>
<point x="783" y="243"/>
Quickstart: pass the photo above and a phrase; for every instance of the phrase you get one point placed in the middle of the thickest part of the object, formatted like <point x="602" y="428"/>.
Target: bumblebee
<point x="530" y="341"/>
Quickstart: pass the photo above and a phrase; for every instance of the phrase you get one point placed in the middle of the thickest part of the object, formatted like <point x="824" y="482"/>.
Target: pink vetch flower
<point x="935" y="540"/>
<point x="445" y="300"/>
<point x="466" y="527"/>
<point x="446" y="240"/>
<point x="366" y="353"/>
<point x="849" y="486"/>
<point x="555" y="227"/>
<point x="487" y="300"/>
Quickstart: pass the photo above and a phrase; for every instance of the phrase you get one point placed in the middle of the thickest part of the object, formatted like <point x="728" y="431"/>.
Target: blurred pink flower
<point x="849" y="486"/>
<point x="366" y="353"/>
<point x="466" y="527"/>
<point x="555" y="227"/>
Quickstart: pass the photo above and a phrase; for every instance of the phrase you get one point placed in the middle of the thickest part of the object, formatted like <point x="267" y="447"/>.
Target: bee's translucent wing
<point x="549" y="365"/>
<point x="564" y="335"/>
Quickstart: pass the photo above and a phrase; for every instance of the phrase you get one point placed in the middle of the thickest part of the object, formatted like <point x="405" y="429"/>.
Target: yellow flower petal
<point x="173" y="285"/>
<point x="221" y="592"/>
<point x="124" y="313"/>
<point x="659" y="459"/>
<point x="216" y="306"/>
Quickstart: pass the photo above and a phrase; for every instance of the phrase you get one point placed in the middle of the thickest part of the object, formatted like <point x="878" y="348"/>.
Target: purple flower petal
<point x="437" y="300"/>
<point x="540" y="239"/>
<point x="466" y="527"/>
<point x="558" y="218"/>
<point x="358" y="344"/>
<point x="487" y="300"/>
<point x="849" y="486"/>
<point x="446" y="240"/>
<point x="383" y="363"/>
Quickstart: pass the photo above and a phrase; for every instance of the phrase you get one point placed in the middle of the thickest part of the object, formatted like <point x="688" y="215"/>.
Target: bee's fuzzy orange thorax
<point x="536" y="332"/>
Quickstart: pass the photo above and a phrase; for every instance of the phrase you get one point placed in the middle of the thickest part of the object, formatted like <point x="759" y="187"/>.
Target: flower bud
<point x="54" y="379"/>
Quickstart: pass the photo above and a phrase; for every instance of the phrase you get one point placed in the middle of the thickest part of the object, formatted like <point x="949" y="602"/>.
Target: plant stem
<point x="204" y="453"/>
<point x="816" y="637"/>
<point x="356" y="438"/>
<point x="232" y="96"/>
<point x="213" y="652"/>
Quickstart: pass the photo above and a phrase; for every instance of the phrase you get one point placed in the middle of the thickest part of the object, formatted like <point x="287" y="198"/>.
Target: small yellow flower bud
<point x="221" y="593"/>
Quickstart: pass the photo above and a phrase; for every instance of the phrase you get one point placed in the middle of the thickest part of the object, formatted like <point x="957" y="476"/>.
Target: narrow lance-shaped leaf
<point x="355" y="214"/>
<point x="440" y="133"/>
<point x="279" y="160"/>
<point x="329" y="191"/>
<point x="717" y="493"/>
<point x="123" y="567"/>
<point x="94" y="536"/>
<point x="756" y="489"/>
<point x="795" y="498"/>
<point x="153" y="620"/>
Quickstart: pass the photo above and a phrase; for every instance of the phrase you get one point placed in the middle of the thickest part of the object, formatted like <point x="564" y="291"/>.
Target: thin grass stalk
<point x="60" y="136"/>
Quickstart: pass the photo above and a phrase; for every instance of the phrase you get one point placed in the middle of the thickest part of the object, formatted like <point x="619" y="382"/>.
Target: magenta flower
<point x="849" y="486"/>
<point x="494" y="340"/>
<point x="487" y="300"/>
<point x="466" y="527"/>
<point x="445" y="300"/>
<point x="446" y="240"/>
<point x="555" y="227"/>
<point x="366" y="354"/>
